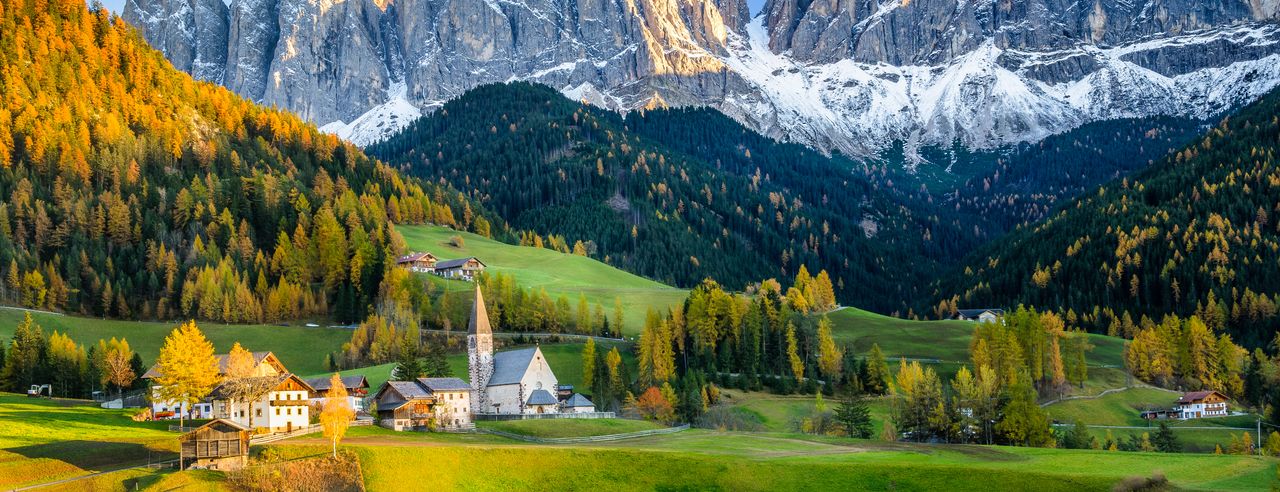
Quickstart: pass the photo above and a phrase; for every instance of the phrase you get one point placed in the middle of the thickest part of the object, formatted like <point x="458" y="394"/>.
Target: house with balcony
<point x="424" y="404"/>
<point x="1201" y="404"/>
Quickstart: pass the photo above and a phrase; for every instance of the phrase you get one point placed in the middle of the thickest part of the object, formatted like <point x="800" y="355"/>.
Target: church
<point x="511" y="382"/>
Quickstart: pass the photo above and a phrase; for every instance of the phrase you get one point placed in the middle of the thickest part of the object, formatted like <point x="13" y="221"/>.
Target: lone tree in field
<point x="855" y="416"/>
<point x="188" y="370"/>
<point x="337" y="413"/>
<point x="117" y="365"/>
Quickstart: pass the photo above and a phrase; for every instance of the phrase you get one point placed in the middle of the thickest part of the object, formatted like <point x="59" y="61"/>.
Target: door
<point x="290" y="427"/>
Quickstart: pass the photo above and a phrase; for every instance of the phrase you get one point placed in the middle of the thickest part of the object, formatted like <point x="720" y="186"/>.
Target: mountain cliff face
<point x="848" y="75"/>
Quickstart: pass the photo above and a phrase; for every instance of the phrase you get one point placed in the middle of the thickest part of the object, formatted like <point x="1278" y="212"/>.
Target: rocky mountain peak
<point x="852" y="75"/>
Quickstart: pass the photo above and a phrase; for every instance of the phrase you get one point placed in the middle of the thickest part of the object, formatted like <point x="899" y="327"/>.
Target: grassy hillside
<point x="558" y="273"/>
<point x="302" y="349"/>
<point x="1124" y="408"/>
<point x="43" y="440"/>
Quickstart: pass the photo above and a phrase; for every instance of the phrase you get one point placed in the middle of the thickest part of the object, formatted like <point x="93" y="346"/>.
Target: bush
<point x="270" y="472"/>
<point x="1157" y="482"/>
<point x="456" y="241"/>
<point x="726" y="418"/>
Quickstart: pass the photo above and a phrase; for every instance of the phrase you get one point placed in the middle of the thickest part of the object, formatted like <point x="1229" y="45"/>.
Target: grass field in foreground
<point x="570" y="427"/>
<point x="704" y="460"/>
<point x="558" y="273"/>
<point x="302" y="349"/>
<point x="43" y="440"/>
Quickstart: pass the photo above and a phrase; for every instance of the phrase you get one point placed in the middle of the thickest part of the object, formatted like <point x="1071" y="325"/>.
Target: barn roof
<point x="509" y="367"/>
<point x="541" y="397"/>
<point x="348" y="382"/>
<point x="1195" y="396"/>
<point x="447" y="264"/>
<point x="578" y="401"/>
<point x="974" y="313"/>
<point x="412" y="257"/>
<point x="444" y="384"/>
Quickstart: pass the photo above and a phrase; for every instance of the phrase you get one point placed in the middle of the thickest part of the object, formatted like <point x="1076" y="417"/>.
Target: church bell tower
<point x="479" y="354"/>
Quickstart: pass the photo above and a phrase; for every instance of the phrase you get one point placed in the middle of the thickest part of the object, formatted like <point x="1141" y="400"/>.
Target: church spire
<point x="479" y="324"/>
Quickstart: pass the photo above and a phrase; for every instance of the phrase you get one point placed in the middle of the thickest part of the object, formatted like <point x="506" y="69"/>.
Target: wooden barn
<point x="218" y="445"/>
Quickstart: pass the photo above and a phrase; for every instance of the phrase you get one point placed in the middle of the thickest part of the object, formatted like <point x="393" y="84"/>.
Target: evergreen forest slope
<point x="676" y="195"/>
<point x="1196" y="233"/>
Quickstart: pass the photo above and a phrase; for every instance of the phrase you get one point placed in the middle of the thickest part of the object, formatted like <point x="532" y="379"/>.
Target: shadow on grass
<point x="93" y="455"/>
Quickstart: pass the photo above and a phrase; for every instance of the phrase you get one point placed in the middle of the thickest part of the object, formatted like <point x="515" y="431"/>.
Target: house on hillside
<point x="218" y="445"/>
<point x="418" y="262"/>
<point x="1199" y="404"/>
<point x="357" y="389"/>
<point x="980" y="315"/>
<point x="285" y="403"/>
<point x="1193" y="405"/>
<point x="424" y="404"/>
<point x="462" y="268"/>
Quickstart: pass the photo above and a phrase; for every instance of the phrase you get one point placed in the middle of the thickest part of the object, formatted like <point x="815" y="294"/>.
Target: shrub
<point x="456" y="241"/>
<point x="1157" y="482"/>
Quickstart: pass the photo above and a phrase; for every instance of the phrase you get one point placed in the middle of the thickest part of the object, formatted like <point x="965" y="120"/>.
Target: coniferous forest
<point x="678" y="195"/>
<point x="1195" y="234"/>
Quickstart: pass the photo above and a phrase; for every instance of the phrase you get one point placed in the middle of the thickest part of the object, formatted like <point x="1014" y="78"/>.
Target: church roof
<point x="509" y="367"/>
<point x="479" y="324"/>
<point x="578" y="401"/>
<point x="541" y="397"/>
<point x="444" y="384"/>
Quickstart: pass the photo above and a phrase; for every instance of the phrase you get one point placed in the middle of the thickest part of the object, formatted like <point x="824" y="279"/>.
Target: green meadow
<point x="301" y="348"/>
<point x="557" y="273"/>
<point x="569" y="427"/>
<point x="44" y="439"/>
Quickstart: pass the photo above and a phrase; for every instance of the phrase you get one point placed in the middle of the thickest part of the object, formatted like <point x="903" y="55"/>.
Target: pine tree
<point x="1166" y="441"/>
<point x="854" y="414"/>
<point x="793" y="354"/>
<point x="408" y="367"/>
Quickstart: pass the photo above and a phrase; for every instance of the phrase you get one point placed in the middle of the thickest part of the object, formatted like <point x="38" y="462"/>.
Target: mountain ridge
<point x="849" y="75"/>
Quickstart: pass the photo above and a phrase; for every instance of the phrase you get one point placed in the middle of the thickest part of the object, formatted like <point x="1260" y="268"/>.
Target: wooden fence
<point x="586" y="439"/>
<point x="538" y="416"/>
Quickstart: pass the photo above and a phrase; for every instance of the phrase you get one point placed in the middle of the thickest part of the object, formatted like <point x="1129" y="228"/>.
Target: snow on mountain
<point x="848" y="75"/>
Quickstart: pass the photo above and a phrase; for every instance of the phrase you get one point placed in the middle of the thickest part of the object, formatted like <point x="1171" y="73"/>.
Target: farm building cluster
<point x="461" y="268"/>
<point x="508" y="384"/>
<point x="503" y="385"/>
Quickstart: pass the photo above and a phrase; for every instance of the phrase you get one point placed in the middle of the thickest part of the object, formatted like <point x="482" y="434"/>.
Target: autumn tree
<point x="652" y="405"/>
<point x="829" y="355"/>
<point x="116" y="368"/>
<point x="588" y="362"/>
<point x="337" y="413"/>
<point x="187" y="367"/>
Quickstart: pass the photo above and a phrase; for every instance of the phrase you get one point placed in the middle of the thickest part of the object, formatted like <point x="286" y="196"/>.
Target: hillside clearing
<point x="557" y="273"/>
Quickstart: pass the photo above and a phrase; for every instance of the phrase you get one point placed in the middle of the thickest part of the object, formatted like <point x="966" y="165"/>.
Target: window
<point x="258" y="413"/>
<point x="277" y="411"/>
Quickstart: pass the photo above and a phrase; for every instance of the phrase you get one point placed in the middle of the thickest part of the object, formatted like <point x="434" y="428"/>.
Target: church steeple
<point x="479" y="355"/>
<point x="479" y="324"/>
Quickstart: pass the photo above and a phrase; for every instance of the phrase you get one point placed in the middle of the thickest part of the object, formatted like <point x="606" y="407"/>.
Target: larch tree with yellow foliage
<point x="187" y="368"/>
<point x="337" y="413"/>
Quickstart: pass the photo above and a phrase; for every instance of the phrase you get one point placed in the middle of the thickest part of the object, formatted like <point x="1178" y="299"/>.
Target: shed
<point x="218" y="445"/>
